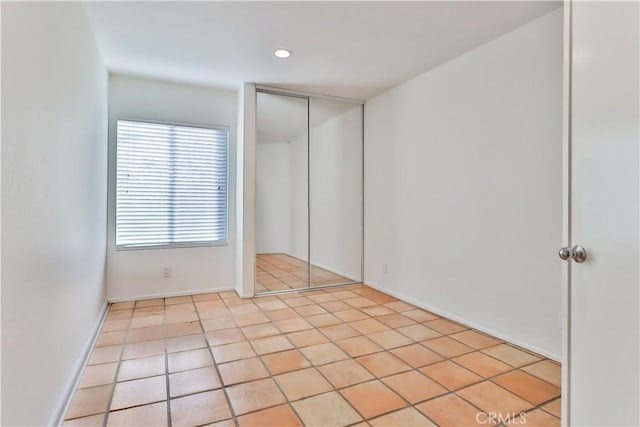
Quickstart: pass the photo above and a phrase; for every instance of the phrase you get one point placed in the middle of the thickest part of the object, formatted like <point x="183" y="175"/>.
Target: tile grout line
<point x="445" y="358"/>
<point x="315" y="367"/>
<point x="309" y="286"/>
<point x="451" y="359"/>
<point x="276" y="278"/>
<point x="115" y="376"/>
<point x="312" y="366"/>
<point x="501" y="342"/>
<point x="215" y="365"/>
<point x="271" y="376"/>
<point x="474" y="350"/>
<point x="454" y="392"/>
<point x="166" y="361"/>
<point x="316" y="328"/>
<point x="375" y="377"/>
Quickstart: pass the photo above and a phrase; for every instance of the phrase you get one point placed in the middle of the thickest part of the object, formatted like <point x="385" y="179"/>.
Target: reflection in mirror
<point x="282" y="214"/>
<point x="309" y="210"/>
<point x="335" y="192"/>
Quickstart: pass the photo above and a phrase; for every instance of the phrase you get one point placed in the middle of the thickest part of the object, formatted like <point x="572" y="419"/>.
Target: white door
<point x="604" y="369"/>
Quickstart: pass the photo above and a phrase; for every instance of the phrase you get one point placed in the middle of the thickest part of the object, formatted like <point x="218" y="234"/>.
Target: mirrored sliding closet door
<point x="282" y="193"/>
<point x="309" y="218"/>
<point x="335" y="192"/>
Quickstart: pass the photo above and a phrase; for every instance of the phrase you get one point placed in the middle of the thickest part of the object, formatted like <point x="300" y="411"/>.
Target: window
<point x="171" y="185"/>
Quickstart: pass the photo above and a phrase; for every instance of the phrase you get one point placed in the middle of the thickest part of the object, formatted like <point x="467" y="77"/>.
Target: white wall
<point x="336" y="193"/>
<point x="139" y="273"/>
<point x="273" y="194"/>
<point x="463" y="186"/>
<point x="54" y="180"/>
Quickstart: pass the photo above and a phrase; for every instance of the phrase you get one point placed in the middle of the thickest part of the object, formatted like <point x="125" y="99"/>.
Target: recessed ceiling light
<point x="282" y="53"/>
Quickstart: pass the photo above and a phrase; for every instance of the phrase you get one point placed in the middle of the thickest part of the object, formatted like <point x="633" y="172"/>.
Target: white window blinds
<point x="171" y="185"/>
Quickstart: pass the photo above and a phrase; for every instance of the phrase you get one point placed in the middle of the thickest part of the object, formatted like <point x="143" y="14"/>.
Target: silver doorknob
<point x="579" y="254"/>
<point x="565" y="253"/>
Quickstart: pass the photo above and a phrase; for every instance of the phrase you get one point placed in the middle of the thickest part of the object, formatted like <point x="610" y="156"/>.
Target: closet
<point x="309" y="191"/>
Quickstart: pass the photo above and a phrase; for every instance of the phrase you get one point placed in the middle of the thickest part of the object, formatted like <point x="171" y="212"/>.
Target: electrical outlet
<point x="385" y="269"/>
<point x="166" y="272"/>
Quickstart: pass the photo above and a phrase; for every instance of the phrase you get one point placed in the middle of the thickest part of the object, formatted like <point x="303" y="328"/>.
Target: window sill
<point x="173" y="246"/>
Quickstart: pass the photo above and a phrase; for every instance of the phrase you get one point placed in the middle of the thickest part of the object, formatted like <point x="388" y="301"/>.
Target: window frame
<point x="194" y="244"/>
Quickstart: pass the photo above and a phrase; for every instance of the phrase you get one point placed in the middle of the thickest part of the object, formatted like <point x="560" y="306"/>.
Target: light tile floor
<point x="332" y="357"/>
<point x="277" y="272"/>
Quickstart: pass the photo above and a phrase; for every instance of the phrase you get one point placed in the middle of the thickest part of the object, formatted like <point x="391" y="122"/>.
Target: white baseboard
<point x="63" y="404"/>
<point x="168" y="294"/>
<point x="466" y="322"/>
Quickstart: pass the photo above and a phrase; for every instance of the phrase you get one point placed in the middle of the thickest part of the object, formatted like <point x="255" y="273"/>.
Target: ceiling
<point x="348" y="49"/>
